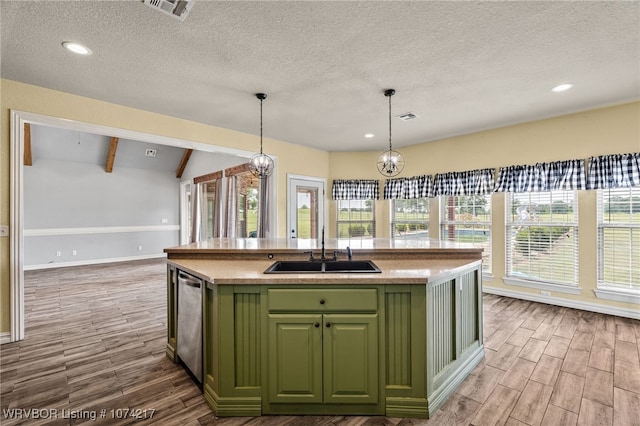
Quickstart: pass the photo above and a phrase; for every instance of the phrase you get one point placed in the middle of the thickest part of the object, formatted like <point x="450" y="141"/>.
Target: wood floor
<point x="95" y="342"/>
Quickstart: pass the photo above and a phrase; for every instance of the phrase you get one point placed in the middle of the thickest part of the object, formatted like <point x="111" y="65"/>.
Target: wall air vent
<point x="408" y="116"/>
<point x="176" y="8"/>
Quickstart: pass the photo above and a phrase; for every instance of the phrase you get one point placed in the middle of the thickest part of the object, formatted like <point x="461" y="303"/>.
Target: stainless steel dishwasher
<point x="189" y="338"/>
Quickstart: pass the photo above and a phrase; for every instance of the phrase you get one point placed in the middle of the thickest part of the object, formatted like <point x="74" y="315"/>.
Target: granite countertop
<point x="394" y="271"/>
<point x="376" y="246"/>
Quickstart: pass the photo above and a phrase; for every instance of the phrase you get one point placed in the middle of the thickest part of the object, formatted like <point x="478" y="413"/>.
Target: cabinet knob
<point x="322" y="301"/>
<point x="316" y="325"/>
<point x="328" y="324"/>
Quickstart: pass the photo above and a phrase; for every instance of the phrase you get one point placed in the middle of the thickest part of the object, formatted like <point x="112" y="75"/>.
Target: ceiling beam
<point x="183" y="162"/>
<point x="111" y="156"/>
<point x="28" y="161"/>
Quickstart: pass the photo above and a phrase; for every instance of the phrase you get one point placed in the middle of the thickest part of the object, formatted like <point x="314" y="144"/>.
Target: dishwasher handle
<point x="189" y="280"/>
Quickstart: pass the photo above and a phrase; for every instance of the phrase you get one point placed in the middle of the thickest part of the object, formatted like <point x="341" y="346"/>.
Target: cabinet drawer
<point x="323" y="300"/>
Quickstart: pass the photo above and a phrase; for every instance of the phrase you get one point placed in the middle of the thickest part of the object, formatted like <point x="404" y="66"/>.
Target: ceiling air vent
<point x="176" y="8"/>
<point x="408" y="116"/>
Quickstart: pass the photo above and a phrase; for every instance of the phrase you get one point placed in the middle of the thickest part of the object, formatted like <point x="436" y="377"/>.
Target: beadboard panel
<point x="398" y="344"/>
<point x="469" y="306"/>
<point x="441" y="336"/>
<point x="247" y="339"/>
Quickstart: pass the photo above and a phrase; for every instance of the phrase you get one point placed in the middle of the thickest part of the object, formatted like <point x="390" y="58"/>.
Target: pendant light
<point x="261" y="165"/>
<point x="390" y="162"/>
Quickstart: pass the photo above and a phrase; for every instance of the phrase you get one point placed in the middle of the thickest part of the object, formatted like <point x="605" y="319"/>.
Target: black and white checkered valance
<point x="555" y="176"/>
<point x="406" y="188"/>
<point x="614" y="171"/>
<point x="355" y="189"/>
<point x="472" y="182"/>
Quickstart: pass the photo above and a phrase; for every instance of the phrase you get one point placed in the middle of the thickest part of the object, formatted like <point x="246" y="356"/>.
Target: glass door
<point x="306" y="207"/>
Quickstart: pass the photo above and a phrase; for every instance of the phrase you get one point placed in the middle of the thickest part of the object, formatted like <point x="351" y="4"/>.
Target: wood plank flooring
<point x="96" y="335"/>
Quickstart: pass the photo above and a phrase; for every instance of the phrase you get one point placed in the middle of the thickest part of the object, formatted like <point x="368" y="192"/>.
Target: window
<point x="410" y="218"/>
<point x="247" y="205"/>
<point x="356" y="219"/>
<point x="210" y="195"/>
<point x="619" y="240"/>
<point x="542" y="238"/>
<point x="467" y="219"/>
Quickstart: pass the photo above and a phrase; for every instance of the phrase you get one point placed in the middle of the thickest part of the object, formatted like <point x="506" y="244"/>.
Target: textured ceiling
<point x="461" y="66"/>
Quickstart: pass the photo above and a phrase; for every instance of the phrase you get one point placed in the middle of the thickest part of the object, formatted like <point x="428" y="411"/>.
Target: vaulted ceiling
<point x="460" y="66"/>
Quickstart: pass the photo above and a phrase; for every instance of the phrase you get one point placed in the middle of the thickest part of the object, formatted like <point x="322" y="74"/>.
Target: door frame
<point x="322" y="216"/>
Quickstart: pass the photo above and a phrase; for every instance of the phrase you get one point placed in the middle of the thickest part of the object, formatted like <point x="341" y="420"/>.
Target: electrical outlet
<point x="4" y="231"/>
<point x="165" y="220"/>
<point x="545" y="293"/>
<point x="58" y="253"/>
<point x="74" y="253"/>
<point x="139" y="248"/>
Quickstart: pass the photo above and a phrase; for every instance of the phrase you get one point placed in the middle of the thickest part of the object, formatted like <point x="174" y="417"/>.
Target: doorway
<point x="16" y="207"/>
<point x="306" y="213"/>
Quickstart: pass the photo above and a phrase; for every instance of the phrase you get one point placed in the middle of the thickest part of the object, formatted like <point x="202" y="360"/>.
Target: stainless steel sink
<point x="321" y="267"/>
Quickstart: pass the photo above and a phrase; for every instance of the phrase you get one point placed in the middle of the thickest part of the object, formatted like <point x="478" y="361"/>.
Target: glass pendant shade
<point x="261" y="165"/>
<point x="390" y="162"/>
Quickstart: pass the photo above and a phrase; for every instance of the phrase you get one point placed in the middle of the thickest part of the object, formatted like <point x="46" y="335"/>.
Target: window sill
<point x="542" y="286"/>
<point x="487" y="276"/>
<point x="618" y="294"/>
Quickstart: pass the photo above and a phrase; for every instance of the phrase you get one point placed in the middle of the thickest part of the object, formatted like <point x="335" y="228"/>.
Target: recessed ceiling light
<point x="562" y="87"/>
<point x="76" y="48"/>
<point x="369" y="135"/>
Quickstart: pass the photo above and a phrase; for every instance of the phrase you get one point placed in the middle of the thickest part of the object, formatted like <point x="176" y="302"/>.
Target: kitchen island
<point x="395" y="343"/>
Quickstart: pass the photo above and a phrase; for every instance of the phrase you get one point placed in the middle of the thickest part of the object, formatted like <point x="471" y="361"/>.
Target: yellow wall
<point x="597" y="132"/>
<point x="292" y="159"/>
<point x="577" y="136"/>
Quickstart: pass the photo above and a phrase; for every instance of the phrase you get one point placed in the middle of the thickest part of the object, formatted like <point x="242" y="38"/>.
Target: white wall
<point x="102" y="216"/>
<point x="76" y="213"/>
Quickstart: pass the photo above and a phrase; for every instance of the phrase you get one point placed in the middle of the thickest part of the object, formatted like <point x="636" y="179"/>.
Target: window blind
<point x="542" y="236"/>
<point x="467" y="219"/>
<point x="356" y="219"/>
<point x="410" y="218"/>
<point x="619" y="238"/>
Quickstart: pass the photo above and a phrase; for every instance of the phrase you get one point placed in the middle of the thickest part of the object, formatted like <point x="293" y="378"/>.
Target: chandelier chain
<point x="389" y="122"/>
<point x="261" y="125"/>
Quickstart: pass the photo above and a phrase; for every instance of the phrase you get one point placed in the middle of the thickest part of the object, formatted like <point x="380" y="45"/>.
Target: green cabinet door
<point x="315" y="358"/>
<point x="295" y="358"/>
<point x="350" y="343"/>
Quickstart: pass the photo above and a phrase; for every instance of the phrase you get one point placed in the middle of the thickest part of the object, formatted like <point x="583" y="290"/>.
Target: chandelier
<point x="261" y="165"/>
<point x="390" y="162"/>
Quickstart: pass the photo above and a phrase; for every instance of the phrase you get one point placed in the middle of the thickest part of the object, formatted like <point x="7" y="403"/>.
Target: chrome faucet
<point x="349" y="253"/>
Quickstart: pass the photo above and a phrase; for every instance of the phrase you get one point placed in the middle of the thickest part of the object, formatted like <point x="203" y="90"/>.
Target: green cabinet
<point x="323" y="358"/>
<point x="295" y="358"/>
<point x="398" y="350"/>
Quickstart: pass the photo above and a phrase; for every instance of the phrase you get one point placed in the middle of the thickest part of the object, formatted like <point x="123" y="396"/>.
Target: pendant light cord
<point x="389" y="93"/>
<point x="260" y="126"/>
<point x="390" y="149"/>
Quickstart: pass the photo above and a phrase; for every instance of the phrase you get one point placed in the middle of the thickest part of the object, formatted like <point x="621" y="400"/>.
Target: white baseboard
<point x="557" y="301"/>
<point x="92" y="261"/>
<point x="5" y="337"/>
